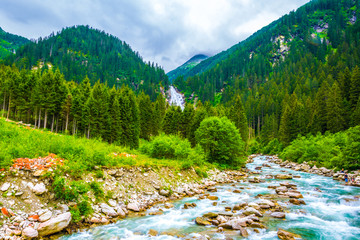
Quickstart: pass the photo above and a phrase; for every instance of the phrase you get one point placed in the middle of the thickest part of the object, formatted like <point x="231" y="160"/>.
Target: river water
<point x="332" y="211"/>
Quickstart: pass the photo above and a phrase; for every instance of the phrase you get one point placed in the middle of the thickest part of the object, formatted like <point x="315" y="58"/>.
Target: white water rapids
<point x="332" y="212"/>
<point x="176" y="98"/>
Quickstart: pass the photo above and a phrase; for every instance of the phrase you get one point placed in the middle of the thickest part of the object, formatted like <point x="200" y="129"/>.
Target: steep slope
<point x="298" y="75"/>
<point x="317" y="28"/>
<point x="81" y="51"/>
<point x="186" y="67"/>
<point x="9" y="43"/>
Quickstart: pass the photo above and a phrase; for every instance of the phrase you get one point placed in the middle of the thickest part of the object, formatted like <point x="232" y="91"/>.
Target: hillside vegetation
<point x="9" y="43"/>
<point x="81" y="51"/>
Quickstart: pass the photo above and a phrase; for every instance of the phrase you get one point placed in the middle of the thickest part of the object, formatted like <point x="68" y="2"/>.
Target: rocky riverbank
<point x="305" y="167"/>
<point x="30" y="209"/>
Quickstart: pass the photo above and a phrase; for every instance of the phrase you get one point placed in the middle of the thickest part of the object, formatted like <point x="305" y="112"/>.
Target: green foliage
<point x="167" y="146"/>
<point x="220" y="140"/>
<point x="10" y="43"/>
<point x="97" y="190"/>
<point x="77" y="52"/>
<point x="341" y="150"/>
<point x="64" y="190"/>
<point x="81" y="209"/>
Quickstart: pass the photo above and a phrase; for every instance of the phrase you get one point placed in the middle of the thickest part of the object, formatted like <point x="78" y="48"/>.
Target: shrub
<point x="63" y="190"/>
<point x="97" y="190"/>
<point x="220" y="140"/>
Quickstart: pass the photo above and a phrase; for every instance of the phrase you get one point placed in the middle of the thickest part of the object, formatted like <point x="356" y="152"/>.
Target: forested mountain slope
<point x="81" y="51"/>
<point x="298" y="75"/>
<point x="186" y="67"/>
<point x="9" y="43"/>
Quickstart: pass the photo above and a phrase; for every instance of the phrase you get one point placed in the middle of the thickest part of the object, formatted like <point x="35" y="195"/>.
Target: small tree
<point x="220" y="140"/>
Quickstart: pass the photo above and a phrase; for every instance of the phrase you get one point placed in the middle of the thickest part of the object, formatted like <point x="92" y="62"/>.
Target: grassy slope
<point x="81" y="154"/>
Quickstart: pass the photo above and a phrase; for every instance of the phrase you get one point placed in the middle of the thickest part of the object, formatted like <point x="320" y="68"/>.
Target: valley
<point x="257" y="141"/>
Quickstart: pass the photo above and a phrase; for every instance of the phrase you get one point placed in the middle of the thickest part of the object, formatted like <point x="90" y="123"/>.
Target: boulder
<point x="39" y="188"/>
<point x="120" y="212"/>
<point x="112" y="203"/>
<point x="165" y="193"/>
<point x="133" y="207"/>
<point x="294" y="195"/>
<point x="249" y="210"/>
<point x="297" y="201"/>
<point x="281" y="189"/>
<point x="202" y="221"/>
<point x="244" y="233"/>
<point x="109" y="211"/>
<point x="210" y="215"/>
<point x="266" y="202"/>
<point x="153" y="232"/>
<point x="213" y="198"/>
<point x="29" y="233"/>
<point x="283" y="176"/>
<point x="237" y="191"/>
<point x="54" y="225"/>
<point x="277" y="215"/>
<point x="285" y="235"/>
<point x="5" y="187"/>
<point x="45" y="216"/>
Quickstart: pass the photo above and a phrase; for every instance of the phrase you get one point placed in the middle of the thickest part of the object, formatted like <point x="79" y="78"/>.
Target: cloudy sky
<point x="167" y="32"/>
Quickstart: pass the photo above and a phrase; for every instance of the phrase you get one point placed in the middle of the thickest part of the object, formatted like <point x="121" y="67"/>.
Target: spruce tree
<point x="238" y="116"/>
<point x="146" y="116"/>
<point x="335" y="110"/>
<point x="355" y="87"/>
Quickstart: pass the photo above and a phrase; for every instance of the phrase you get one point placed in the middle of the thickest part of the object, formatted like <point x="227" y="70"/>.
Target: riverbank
<point x="30" y="208"/>
<point x="305" y="167"/>
<point x="271" y="202"/>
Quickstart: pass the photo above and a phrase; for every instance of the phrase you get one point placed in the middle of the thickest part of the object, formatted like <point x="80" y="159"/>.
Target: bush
<point x="63" y="190"/>
<point x="339" y="150"/>
<point x="167" y="146"/>
<point x="97" y="190"/>
<point x="220" y="140"/>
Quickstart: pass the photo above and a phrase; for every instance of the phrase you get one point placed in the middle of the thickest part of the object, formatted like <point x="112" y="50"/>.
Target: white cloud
<point x="163" y="31"/>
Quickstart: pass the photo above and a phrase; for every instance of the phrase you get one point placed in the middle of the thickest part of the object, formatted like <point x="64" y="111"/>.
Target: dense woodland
<point x="81" y="51"/>
<point x="293" y="84"/>
<point x="9" y="43"/>
<point x="292" y="78"/>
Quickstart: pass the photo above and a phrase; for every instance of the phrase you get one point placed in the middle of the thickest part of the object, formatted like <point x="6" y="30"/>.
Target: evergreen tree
<point x="159" y="114"/>
<point x="355" y="87"/>
<point x="146" y="116"/>
<point x="237" y="115"/>
<point x="335" y="110"/>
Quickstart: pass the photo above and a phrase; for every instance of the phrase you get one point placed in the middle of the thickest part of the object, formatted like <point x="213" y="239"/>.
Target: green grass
<point x="81" y="154"/>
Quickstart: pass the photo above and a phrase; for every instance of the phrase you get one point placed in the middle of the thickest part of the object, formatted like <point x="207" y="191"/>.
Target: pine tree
<point x="356" y="114"/>
<point x="335" y="110"/>
<point x="159" y="114"/>
<point x="238" y="117"/>
<point x="355" y="87"/>
<point x="146" y="116"/>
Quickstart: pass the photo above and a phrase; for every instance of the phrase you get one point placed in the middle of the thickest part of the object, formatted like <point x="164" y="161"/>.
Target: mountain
<point x="186" y="67"/>
<point x="318" y="28"/>
<point x="9" y="43"/>
<point x="81" y="51"/>
<point x="298" y="75"/>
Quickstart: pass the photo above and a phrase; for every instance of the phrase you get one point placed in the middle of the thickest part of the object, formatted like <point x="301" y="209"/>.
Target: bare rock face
<point x="285" y="235"/>
<point x="54" y="225"/>
<point x="29" y="233"/>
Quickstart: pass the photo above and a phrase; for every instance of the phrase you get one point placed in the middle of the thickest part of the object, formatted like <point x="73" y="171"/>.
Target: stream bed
<point x="332" y="211"/>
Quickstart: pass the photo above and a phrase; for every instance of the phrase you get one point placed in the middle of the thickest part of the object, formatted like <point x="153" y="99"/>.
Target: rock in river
<point x="285" y="235"/>
<point x="278" y="215"/>
<point x="283" y="176"/>
<point x="202" y="221"/>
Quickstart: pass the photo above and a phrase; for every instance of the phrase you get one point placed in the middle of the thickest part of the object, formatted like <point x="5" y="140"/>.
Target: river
<point x="332" y="211"/>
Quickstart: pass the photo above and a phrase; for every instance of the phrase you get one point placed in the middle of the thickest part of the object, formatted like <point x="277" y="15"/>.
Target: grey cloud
<point x="163" y="31"/>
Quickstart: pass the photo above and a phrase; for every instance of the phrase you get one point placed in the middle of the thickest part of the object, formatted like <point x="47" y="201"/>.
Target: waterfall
<point x="176" y="98"/>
